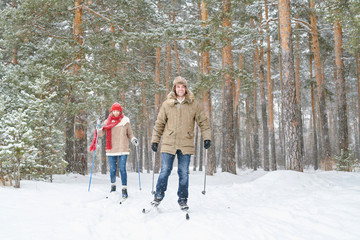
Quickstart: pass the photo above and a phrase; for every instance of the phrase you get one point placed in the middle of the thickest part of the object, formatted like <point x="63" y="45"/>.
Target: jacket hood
<point x="171" y="98"/>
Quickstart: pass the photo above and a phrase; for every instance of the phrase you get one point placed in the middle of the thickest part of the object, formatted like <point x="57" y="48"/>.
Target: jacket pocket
<point x="168" y="137"/>
<point x="189" y="135"/>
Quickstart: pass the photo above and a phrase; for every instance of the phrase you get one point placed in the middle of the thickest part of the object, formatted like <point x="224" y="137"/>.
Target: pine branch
<point x="38" y="26"/>
<point x="95" y="13"/>
<point x="303" y="23"/>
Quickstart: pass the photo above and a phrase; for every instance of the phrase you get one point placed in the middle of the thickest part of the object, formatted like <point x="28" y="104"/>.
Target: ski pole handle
<point x="98" y="124"/>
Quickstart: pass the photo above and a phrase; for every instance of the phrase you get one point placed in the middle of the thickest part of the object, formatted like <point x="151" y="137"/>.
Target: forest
<point x="279" y="81"/>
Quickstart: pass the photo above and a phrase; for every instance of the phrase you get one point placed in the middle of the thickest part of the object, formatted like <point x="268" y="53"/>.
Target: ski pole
<point x="137" y="155"/>
<point x="152" y="188"/>
<point x="92" y="167"/>
<point x="206" y="158"/>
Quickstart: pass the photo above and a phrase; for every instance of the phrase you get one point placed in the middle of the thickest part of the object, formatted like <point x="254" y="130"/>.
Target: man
<point x="175" y="124"/>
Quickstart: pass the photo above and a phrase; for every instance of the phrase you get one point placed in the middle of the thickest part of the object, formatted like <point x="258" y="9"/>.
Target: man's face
<point x="180" y="90"/>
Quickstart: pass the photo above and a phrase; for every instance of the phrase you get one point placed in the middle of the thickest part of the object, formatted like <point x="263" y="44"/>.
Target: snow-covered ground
<point x="251" y="205"/>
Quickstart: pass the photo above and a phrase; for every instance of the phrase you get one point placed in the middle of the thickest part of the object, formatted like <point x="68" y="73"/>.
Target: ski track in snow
<point x="250" y="205"/>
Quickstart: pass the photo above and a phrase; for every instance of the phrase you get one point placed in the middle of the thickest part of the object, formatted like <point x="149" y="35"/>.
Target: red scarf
<point x="111" y="122"/>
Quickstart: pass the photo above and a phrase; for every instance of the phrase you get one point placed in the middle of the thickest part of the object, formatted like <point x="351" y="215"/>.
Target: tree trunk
<point x="265" y="129"/>
<point x="249" y="158"/>
<point x="256" y="158"/>
<point x="228" y="96"/>
<point x="211" y="161"/>
<point x="103" y="149"/>
<point x="205" y="64"/>
<point x="147" y="151"/>
<point x="80" y="118"/>
<point x="196" y="156"/>
<point x="14" y="51"/>
<point x="298" y="83"/>
<point x="314" y="145"/>
<point x="141" y="149"/>
<point x="78" y="34"/>
<point x="293" y="155"/>
<point x="69" y="142"/>
<point x="176" y="51"/>
<point x="341" y="96"/>
<point x="358" y="96"/>
<point x="168" y="69"/>
<point x="157" y="102"/>
<point x="201" y="153"/>
<point x="18" y="172"/>
<point x="123" y="89"/>
<point x="15" y="56"/>
<point x="237" y="114"/>
<point x="255" y="122"/>
<point x="326" y="151"/>
<point x="147" y="128"/>
<point x="270" y="92"/>
<point x="281" y="121"/>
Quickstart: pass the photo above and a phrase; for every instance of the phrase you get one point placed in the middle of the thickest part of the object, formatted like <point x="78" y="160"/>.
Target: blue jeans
<point x="122" y="168"/>
<point x="183" y="172"/>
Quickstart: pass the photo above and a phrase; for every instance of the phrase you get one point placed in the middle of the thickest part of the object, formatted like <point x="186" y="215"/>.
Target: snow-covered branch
<point x="303" y="23"/>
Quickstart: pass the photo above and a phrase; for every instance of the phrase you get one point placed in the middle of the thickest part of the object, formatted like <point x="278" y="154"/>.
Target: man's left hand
<point x="207" y="144"/>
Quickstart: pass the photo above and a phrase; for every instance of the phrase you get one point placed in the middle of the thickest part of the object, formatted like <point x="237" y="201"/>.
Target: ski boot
<point x="183" y="204"/>
<point x="156" y="202"/>
<point x="113" y="188"/>
<point x="124" y="193"/>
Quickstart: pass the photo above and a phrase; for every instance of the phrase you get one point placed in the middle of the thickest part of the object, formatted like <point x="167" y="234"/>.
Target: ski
<point x="187" y="217"/>
<point x="122" y="200"/>
<point x="148" y="210"/>
<point x="186" y="210"/>
<point x="145" y="211"/>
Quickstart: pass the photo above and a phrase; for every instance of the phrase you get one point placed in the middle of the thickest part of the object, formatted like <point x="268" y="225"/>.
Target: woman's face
<point x="116" y="113"/>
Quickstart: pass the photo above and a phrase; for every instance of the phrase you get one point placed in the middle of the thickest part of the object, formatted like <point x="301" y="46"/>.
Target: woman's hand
<point x="135" y="142"/>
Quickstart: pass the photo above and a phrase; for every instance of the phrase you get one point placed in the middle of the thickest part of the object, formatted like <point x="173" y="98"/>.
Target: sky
<point x="250" y="205"/>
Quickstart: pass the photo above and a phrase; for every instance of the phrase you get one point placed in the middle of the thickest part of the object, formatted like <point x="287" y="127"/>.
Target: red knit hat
<point x="116" y="106"/>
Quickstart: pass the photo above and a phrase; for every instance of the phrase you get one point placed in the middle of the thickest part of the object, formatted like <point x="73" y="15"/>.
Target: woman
<point x="118" y="130"/>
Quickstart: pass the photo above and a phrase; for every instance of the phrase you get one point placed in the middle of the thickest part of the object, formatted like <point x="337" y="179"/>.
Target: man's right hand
<point x="154" y="146"/>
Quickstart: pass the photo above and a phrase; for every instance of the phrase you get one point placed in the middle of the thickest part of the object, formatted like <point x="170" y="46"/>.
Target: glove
<point x="207" y="144"/>
<point x="154" y="146"/>
<point x="135" y="142"/>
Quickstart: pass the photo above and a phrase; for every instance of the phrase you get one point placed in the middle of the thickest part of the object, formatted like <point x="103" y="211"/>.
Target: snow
<point x="250" y="205"/>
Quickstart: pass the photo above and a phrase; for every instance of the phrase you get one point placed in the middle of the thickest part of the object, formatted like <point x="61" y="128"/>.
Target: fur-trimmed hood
<point x="172" y="100"/>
